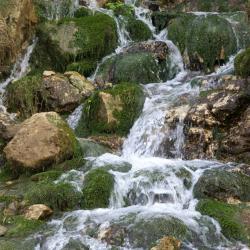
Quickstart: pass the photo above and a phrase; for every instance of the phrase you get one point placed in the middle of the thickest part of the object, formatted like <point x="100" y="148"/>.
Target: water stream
<point x="153" y="188"/>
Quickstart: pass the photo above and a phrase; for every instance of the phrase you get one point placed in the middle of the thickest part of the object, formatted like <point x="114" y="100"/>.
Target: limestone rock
<point x="8" y="126"/>
<point x="42" y="140"/>
<point x="3" y="230"/>
<point x="38" y="212"/>
<point x="17" y="26"/>
<point x="168" y="243"/>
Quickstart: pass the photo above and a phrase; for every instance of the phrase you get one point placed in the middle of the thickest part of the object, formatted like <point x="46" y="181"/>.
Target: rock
<point x="17" y="26"/>
<point x="189" y="33"/>
<point x="47" y="73"/>
<point x="52" y="92"/>
<point x="92" y="149"/>
<point x="65" y="94"/>
<point x="38" y="212"/>
<point x="158" y="49"/>
<point x="8" y="126"/>
<point x="168" y="243"/>
<point x="42" y="140"/>
<point x="218" y="124"/>
<point x="80" y="41"/>
<point x="222" y="185"/>
<point x="114" y="235"/>
<point x="3" y="230"/>
<point x="145" y="62"/>
<point x="112" y="111"/>
<point x="113" y="142"/>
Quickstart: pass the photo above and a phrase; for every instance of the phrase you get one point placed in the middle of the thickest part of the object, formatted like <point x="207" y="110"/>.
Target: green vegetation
<point x="228" y="216"/>
<point x="59" y="197"/>
<point x="84" y="67"/>
<point x="21" y="227"/>
<point x="98" y="185"/>
<point x="138" y="30"/>
<point x="208" y="40"/>
<point x="26" y="96"/>
<point x="120" y="8"/>
<point x="50" y="175"/>
<point x="242" y="62"/>
<point x="132" y="99"/>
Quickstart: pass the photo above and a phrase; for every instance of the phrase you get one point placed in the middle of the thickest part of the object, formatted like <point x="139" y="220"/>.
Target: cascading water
<point x="19" y="70"/>
<point x="154" y="187"/>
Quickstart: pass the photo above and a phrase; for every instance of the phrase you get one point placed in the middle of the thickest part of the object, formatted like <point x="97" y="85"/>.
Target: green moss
<point x="178" y="30"/>
<point x="208" y="40"/>
<point x="84" y="67"/>
<point x="82" y="12"/>
<point x="18" y="226"/>
<point x="132" y="98"/>
<point x="140" y="67"/>
<point x="46" y="176"/>
<point x="119" y="8"/>
<point x="228" y="217"/>
<point x="98" y="185"/>
<point x="26" y="96"/>
<point x="138" y="30"/>
<point x="96" y="36"/>
<point x="242" y="63"/>
<point x="59" y="197"/>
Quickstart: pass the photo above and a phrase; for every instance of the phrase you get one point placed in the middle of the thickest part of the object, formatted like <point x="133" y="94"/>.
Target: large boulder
<point x="42" y="140"/>
<point x="145" y="62"/>
<point x="206" y="41"/>
<point x="84" y="40"/>
<point x="17" y="26"/>
<point x="112" y="111"/>
<point x="50" y="92"/>
<point x="218" y="124"/>
<point x="223" y="185"/>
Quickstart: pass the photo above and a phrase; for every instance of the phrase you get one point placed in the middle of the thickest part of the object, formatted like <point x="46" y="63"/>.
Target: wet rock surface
<point x="218" y="126"/>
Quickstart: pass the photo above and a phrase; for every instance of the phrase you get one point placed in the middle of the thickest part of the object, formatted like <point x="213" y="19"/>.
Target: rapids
<point x="153" y="187"/>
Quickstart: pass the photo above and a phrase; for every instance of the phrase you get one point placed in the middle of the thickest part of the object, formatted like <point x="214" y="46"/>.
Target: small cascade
<point x="75" y="117"/>
<point x="19" y="70"/>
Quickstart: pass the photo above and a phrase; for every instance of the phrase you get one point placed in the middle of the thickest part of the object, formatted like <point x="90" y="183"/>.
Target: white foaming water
<point x="74" y="118"/>
<point x="154" y="187"/>
<point x="19" y="70"/>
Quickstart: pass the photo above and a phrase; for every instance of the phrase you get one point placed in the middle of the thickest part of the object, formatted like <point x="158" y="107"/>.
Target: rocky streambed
<point x="124" y="125"/>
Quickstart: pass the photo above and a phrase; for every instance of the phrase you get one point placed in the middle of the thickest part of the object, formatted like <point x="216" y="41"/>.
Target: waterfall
<point x="153" y="187"/>
<point x="19" y="70"/>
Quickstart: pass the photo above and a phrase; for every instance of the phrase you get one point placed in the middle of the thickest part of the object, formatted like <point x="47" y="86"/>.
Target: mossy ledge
<point x="98" y="185"/>
<point x="229" y="217"/>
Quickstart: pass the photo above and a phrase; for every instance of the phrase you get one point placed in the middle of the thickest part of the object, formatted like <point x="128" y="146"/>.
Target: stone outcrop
<point x="218" y="126"/>
<point x="42" y="140"/>
<point x="17" y="23"/>
<point x="65" y="92"/>
<point x="37" y="212"/>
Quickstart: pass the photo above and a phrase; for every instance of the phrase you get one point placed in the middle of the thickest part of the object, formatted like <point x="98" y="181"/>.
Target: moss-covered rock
<point x="112" y="111"/>
<point x="43" y="140"/>
<point x="242" y="62"/>
<point x="206" y="41"/>
<point x="145" y="232"/>
<point x="231" y="218"/>
<point x="98" y="185"/>
<point x="139" y="67"/>
<point x="221" y="184"/>
<point x="87" y="38"/>
<point x="59" y="197"/>
<point x="138" y="30"/>
<point x="84" y="67"/>
<point x="53" y="92"/>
